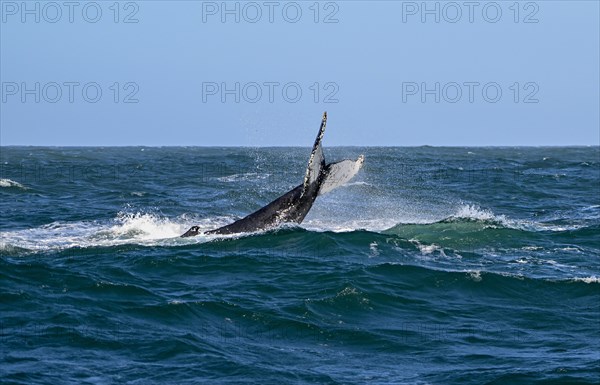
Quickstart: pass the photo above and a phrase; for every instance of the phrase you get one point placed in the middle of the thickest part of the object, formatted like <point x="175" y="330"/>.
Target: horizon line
<point x="288" y="146"/>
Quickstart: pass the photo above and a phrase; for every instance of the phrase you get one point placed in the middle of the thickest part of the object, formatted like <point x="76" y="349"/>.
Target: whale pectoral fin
<point x="316" y="162"/>
<point x="337" y="174"/>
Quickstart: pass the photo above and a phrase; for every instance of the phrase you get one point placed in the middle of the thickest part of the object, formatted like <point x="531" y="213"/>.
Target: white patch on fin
<point x="339" y="173"/>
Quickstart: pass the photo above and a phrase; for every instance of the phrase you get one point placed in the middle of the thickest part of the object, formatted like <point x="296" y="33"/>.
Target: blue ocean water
<point x="432" y="266"/>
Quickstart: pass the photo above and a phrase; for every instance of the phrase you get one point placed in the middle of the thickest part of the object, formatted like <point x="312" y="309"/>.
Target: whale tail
<point x="316" y="161"/>
<point x="328" y="176"/>
<point x="339" y="173"/>
<point x="293" y="206"/>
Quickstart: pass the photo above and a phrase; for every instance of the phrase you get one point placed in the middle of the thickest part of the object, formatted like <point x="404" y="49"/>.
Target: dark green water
<point x="433" y="266"/>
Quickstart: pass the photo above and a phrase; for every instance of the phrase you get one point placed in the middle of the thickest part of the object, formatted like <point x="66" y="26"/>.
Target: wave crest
<point x="8" y="183"/>
<point x="144" y="226"/>
<point x="476" y="213"/>
<point x="146" y="229"/>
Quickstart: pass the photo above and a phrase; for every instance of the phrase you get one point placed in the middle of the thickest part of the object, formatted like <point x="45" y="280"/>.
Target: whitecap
<point x="428" y="249"/>
<point x="475" y="275"/>
<point x="374" y="252"/>
<point x="475" y="212"/>
<point x="344" y="226"/>
<point x="532" y="248"/>
<point x="11" y="183"/>
<point x="591" y="279"/>
<point x="146" y="229"/>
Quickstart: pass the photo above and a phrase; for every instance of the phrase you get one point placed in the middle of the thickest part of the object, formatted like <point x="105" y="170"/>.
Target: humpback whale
<point x="293" y="206"/>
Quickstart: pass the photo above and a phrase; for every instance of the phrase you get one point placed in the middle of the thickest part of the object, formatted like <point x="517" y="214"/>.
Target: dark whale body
<point x="296" y="203"/>
<point x="290" y="207"/>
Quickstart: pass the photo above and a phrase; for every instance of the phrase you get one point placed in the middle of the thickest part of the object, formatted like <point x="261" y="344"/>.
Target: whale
<point x="293" y="206"/>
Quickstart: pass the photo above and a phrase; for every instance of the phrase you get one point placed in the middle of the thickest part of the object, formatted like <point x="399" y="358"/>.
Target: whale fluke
<point x="293" y="206"/>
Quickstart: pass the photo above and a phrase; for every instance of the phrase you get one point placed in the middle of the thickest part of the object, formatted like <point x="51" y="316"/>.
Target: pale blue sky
<point x="370" y="62"/>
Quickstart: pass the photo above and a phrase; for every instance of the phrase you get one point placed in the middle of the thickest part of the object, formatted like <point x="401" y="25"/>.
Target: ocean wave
<point x="475" y="230"/>
<point x="470" y="228"/>
<point x="144" y="226"/>
<point x="345" y="226"/>
<point x="473" y="213"/>
<point x="9" y="249"/>
<point x="141" y="228"/>
<point x="591" y="279"/>
<point x="500" y="278"/>
<point x="8" y="183"/>
<point x="490" y="220"/>
<point x="147" y="229"/>
<point x="428" y="249"/>
<point x="476" y="213"/>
